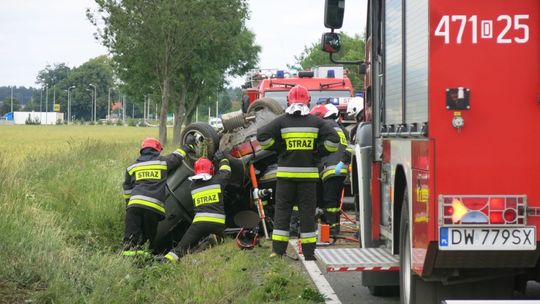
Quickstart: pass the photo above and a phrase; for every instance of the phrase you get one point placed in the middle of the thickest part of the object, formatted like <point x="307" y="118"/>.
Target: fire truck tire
<point x="207" y="141"/>
<point x="413" y="288"/>
<point x="265" y="103"/>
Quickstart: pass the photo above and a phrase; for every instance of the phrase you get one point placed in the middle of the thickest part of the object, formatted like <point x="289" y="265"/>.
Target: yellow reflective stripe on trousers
<point x="298" y="172"/>
<point x="135" y="252"/>
<point x="280" y="235"/>
<point x="333" y="210"/>
<point x="225" y="167"/>
<point x="171" y="256"/>
<point x="147" y="204"/>
<point x="308" y="237"/>
<point x="280" y="238"/>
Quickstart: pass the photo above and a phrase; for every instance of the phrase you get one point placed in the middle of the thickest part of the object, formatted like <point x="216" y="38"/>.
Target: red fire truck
<point x="323" y="83"/>
<point x="446" y="161"/>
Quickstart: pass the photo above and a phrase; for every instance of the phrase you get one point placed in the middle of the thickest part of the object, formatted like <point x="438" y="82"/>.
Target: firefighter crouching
<point x="144" y="192"/>
<point x="296" y="136"/>
<point x="207" y="193"/>
<point x="333" y="170"/>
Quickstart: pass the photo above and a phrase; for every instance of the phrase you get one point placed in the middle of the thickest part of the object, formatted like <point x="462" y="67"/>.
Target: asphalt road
<point x="349" y="289"/>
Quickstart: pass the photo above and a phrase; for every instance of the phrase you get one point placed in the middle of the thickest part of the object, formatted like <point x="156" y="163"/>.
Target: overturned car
<point x="237" y="140"/>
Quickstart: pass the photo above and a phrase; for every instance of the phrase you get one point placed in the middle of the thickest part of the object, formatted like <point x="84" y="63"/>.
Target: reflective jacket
<point x="327" y="166"/>
<point x="207" y="195"/>
<point x="145" y="180"/>
<point x="297" y="139"/>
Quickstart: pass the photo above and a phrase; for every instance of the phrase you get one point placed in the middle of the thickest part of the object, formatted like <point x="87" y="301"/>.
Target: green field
<point x="61" y="217"/>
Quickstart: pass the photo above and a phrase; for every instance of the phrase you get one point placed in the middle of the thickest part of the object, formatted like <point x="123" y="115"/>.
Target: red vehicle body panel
<point x="497" y="151"/>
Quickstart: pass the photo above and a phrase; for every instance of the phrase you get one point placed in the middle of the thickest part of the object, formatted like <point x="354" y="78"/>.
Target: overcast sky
<point x="34" y="33"/>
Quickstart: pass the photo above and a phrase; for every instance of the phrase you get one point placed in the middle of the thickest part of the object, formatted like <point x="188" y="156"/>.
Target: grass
<point x="62" y="219"/>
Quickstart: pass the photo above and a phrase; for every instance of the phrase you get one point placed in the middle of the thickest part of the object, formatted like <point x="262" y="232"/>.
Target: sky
<point x="35" y="33"/>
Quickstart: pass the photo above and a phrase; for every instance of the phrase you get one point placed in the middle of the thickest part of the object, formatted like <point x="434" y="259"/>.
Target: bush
<point x="132" y="122"/>
<point x="30" y="121"/>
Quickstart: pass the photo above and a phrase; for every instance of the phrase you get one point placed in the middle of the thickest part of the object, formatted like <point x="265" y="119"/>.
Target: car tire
<point x="207" y="141"/>
<point x="265" y="103"/>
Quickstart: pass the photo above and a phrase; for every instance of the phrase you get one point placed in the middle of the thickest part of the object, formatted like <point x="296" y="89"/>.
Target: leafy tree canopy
<point x="352" y="48"/>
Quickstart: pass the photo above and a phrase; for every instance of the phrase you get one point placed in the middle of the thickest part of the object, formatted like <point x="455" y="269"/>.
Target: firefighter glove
<point x="218" y="156"/>
<point x="339" y="166"/>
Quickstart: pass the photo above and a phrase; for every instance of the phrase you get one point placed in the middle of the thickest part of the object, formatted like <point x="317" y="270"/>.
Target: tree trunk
<point x="165" y="94"/>
<point x="179" y="117"/>
<point x="191" y="107"/>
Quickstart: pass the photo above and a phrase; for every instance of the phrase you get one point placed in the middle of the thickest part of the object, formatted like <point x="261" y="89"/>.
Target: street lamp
<point x="95" y="101"/>
<point x="109" y="107"/>
<point x="92" y="104"/>
<point x="69" y="104"/>
<point x="46" y="103"/>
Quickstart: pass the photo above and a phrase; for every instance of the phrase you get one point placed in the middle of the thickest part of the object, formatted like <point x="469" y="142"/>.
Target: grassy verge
<point x="62" y="218"/>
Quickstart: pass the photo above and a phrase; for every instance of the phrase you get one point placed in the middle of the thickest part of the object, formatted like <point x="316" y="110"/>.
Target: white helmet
<point x="331" y="110"/>
<point x="354" y="106"/>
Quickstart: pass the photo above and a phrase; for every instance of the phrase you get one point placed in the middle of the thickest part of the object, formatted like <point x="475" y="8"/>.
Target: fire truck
<point x="324" y="84"/>
<point x="447" y="163"/>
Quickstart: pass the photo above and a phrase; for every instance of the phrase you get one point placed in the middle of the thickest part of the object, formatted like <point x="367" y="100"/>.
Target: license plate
<point x="487" y="238"/>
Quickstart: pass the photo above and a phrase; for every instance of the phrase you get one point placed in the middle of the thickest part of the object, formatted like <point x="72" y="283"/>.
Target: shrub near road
<point x="62" y="218"/>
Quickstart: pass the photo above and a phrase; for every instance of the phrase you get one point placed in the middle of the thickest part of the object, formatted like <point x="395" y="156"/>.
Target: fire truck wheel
<point x="207" y="141"/>
<point x="413" y="288"/>
<point x="265" y="103"/>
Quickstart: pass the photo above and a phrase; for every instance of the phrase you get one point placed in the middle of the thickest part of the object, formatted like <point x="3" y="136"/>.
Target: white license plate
<point x="487" y="238"/>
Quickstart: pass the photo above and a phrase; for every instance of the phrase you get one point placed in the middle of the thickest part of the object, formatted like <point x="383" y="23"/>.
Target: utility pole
<point x="46" y="104"/>
<point x="144" y="110"/>
<point x="40" y="102"/>
<point x="217" y="108"/>
<point x="109" y="108"/>
<point x="197" y="114"/>
<point x="12" y="101"/>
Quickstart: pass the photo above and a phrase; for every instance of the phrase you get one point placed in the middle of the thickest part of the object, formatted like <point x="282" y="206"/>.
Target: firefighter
<point x="333" y="170"/>
<point x="297" y="137"/>
<point x="144" y="192"/>
<point x="207" y="192"/>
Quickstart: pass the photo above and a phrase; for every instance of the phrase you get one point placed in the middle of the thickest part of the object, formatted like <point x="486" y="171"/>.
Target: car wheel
<point x="265" y="103"/>
<point x="206" y="141"/>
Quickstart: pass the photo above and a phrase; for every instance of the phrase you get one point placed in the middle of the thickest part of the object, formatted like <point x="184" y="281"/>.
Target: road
<point x="349" y="289"/>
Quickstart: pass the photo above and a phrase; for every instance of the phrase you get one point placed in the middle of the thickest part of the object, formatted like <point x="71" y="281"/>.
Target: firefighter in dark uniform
<point x="333" y="170"/>
<point x="207" y="193"/>
<point x="297" y="136"/>
<point x="144" y="192"/>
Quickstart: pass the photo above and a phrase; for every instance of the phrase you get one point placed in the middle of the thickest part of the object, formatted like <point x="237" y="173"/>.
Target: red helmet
<point x="319" y="111"/>
<point x="298" y="94"/>
<point x="247" y="238"/>
<point x="152" y="143"/>
<point x="203" y="166"/>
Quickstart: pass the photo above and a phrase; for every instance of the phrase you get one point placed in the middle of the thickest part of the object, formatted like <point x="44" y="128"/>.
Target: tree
<point x="352" y="48"/>
<point x="97" y="71"/>
<point x="169" y="48"/>
<point x="6" y="105"/>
